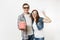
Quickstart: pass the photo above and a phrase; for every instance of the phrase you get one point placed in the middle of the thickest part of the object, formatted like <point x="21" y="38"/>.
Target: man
<point x="28" y="33"/>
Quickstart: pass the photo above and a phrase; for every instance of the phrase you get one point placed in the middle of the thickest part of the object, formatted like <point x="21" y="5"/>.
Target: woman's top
<point x="38" y="33"/>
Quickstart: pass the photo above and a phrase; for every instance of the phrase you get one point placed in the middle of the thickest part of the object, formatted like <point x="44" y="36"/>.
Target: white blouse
<point x="37" y="33"/>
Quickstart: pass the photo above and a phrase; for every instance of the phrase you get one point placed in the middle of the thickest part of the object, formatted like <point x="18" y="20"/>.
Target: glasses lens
<point x="26" y="7"/>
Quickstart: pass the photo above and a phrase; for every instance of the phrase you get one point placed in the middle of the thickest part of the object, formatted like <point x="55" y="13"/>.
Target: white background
<point x="10" y="9"/>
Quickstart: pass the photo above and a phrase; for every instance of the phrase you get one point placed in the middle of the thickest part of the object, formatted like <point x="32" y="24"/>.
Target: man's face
<point x="26" y="8"/>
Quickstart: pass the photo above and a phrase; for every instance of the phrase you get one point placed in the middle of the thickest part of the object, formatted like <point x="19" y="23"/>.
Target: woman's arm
<point x="46" y="19"/>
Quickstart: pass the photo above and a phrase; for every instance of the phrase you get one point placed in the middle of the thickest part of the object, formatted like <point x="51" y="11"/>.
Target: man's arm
<point x="21" y="23"/>
<point x="19" y="19"/>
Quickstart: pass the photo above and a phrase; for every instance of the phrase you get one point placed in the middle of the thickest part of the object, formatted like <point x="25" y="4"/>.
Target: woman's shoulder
<point x="40" y="18"/>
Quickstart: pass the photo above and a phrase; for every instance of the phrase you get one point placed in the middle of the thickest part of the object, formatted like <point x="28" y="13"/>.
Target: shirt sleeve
<point x="41" y="19"/>
<point x="19" y="19"/>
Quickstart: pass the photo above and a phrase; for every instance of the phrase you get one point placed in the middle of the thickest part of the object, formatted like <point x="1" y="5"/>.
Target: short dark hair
<point x="26" y="4"/>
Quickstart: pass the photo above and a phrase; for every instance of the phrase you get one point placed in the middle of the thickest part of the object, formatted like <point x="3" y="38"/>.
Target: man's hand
<point x="22" y="25"/>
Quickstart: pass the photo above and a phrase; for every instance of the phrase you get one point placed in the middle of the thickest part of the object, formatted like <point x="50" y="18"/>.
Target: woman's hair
<point x="37" y="18"/>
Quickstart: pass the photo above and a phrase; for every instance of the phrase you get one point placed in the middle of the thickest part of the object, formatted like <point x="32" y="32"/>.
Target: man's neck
<point x="26" y="13"/>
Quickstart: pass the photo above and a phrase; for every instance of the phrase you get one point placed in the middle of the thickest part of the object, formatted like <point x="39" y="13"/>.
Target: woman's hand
<point x="46" y="19"/>
<point x="44" y="13"/>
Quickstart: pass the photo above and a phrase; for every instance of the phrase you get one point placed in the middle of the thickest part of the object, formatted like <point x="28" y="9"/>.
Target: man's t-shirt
<point x="29" y="24"/>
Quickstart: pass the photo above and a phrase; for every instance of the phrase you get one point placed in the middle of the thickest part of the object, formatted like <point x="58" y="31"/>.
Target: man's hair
<point x="25" y="4"/>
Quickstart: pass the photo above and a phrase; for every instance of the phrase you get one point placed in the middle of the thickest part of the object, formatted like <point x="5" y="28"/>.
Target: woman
<point x="38" y="24"/>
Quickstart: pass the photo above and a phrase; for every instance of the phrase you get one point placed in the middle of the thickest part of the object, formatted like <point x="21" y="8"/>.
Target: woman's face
<point x="34" y="14"/>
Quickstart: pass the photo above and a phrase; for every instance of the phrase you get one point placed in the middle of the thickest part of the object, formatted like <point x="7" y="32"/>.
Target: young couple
<point x="35" y="23"/>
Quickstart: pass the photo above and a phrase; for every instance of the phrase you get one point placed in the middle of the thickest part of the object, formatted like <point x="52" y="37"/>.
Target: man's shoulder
<point x="20" y="15"/>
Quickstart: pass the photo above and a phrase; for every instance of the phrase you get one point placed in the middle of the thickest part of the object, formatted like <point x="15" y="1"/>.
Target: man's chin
<point x="26" y="12"/>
